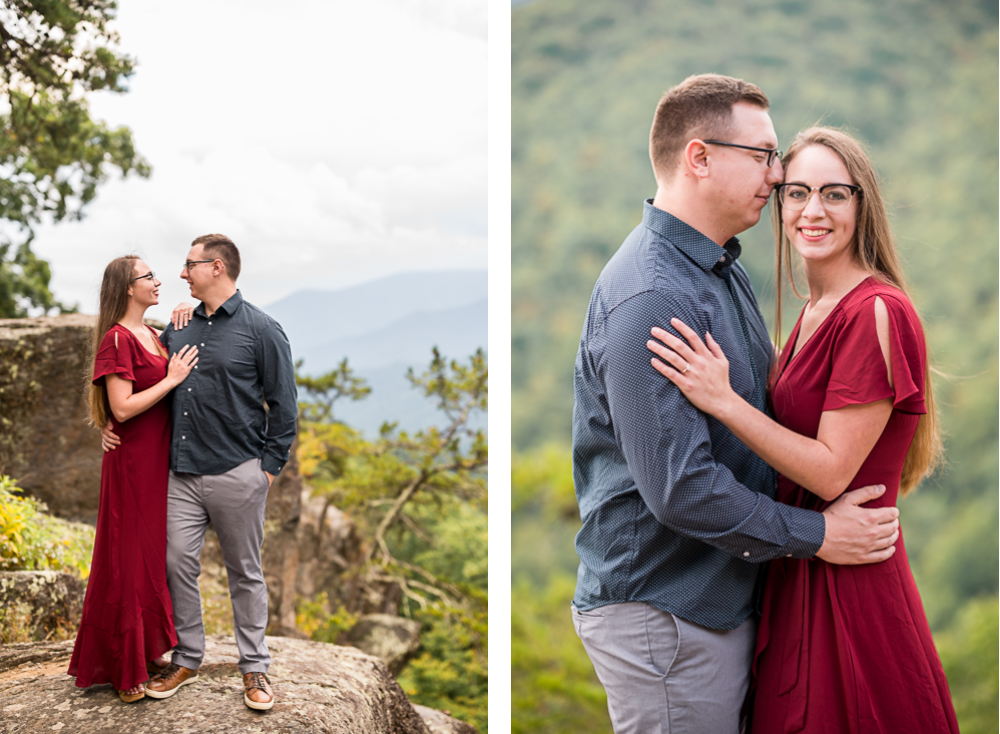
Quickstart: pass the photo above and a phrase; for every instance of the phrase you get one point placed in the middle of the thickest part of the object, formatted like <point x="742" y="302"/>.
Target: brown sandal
<point x="132" y="697"/>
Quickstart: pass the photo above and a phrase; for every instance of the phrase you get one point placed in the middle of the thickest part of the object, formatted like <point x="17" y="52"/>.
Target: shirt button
<point x="183" y="438"/>
<point x="746" y="554"/>
<point x="196" y="366"/>
<point x="209" y="323"/>
<point x="203" y="343"/>
<point x="189" y="389"/>
<point x="185" y="412"/>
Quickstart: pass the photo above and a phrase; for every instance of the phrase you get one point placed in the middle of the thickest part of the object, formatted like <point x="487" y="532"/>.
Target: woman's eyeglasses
<point x="834" y="197"/>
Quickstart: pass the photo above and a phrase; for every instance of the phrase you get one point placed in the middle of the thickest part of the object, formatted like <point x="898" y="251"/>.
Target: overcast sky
<point x="334" y="142"/>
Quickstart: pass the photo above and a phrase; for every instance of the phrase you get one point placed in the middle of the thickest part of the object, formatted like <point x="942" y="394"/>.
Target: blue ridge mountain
<point x="383" y="327"/>
<point x="313" y="318"/>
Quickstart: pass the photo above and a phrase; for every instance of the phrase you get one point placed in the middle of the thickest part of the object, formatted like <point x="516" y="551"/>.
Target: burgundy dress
<point x="127" y="615"/>
<point x="847" y="649"/>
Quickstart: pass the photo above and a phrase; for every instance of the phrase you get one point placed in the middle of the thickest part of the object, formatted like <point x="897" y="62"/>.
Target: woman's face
<point x="145" y="289"/>
<point x="817" y="234"/>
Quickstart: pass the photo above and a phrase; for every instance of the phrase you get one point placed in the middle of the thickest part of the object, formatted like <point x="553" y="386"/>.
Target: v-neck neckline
<point x="794" y="336"/>
<point x="139" y="341"/>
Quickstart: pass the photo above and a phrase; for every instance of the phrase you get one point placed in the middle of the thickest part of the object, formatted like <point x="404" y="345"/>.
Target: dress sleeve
<point x="114" y="357"/>
<point x="858" y="374"/>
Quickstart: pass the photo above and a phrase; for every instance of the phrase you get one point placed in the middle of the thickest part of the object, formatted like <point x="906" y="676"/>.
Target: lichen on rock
<point x="319" y="688"/>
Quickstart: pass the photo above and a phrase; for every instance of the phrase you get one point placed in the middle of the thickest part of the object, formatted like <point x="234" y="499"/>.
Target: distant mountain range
<point x="383" y="327"/>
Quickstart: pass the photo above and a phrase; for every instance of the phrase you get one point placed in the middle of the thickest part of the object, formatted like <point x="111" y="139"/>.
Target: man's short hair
<point x="701" y="106"/>
<point x="220" y="247"/>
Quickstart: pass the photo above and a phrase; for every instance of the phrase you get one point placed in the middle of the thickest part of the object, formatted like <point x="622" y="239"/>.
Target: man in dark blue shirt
<point x="678" y="515"/>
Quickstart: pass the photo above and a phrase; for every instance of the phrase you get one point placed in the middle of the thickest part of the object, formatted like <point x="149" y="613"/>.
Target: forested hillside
<point x="916" y="80"/>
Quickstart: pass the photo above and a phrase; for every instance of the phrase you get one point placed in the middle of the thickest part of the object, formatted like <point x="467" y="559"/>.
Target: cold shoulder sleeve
<point x="114" y="357"/>
<point x="858" y="373"/>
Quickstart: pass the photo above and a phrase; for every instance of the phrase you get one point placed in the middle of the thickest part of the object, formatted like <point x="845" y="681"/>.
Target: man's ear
<point x="696" y="158"/>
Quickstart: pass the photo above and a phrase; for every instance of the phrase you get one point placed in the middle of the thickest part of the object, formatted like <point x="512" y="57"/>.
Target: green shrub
<point x="450" y="672"/>
<point x="313" y="617"/>
<point x="30" y="540"/>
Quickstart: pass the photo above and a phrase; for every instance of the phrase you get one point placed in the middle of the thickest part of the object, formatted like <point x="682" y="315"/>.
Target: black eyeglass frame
<point x="855" y="190"/>
<point x="772" y="153"/>
<point x="189" y="263"/>
<point x="151" y="275"/>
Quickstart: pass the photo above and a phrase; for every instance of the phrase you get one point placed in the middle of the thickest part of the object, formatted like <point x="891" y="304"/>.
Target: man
<point x="226" y="448"/>
<point x="678" y="515"/>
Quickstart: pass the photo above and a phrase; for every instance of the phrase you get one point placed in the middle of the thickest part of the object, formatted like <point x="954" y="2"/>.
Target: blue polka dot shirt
<point x="676" y="511"/>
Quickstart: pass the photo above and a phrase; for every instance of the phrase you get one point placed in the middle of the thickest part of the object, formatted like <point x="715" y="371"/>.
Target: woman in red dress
<point x="840" y="649"/>
<point x="127" y="618"/>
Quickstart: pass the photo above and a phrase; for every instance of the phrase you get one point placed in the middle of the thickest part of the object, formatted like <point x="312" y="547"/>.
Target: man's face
<point x="743" y="180"/>
<point x="198" y="276"/>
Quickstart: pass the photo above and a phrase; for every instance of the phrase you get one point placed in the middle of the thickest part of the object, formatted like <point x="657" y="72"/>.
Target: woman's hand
<point x="181" y="315"/>
<point x="701" y="373"/>
<point x="181" y="364"/>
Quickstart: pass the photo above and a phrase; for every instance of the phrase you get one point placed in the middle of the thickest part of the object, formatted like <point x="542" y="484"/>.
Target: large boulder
<point x="391" y="639"/>
<point x="45" y="442"/>
<point x="40" y="603"/>
<point x="318" y="688"/>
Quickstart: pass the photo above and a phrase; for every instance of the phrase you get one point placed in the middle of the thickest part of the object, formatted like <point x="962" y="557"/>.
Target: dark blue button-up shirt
<point x="676" y="511"/>
<point x="219" y="420"/>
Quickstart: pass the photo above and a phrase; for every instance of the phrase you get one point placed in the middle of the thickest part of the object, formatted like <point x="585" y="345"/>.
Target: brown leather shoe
<point x="165" y="683"/>
<point x="155" y="666"/>
<point x="258" y="694"/>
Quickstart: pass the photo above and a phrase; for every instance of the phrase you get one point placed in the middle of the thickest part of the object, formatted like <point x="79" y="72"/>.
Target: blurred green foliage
<point x="968" y="652"/>
<point x="917" y="82"/>
<point x="30" y="540"/>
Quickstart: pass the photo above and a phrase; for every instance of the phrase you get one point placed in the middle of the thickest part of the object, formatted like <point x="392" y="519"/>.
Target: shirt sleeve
<point x="667" y="445"/>
<point x="277" y="371"/>
<point x="858" y="374"/>
<point x="114" y="357"/>
<point x="165" y="336"/>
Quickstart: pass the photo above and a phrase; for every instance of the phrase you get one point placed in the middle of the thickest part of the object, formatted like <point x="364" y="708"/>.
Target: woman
<point x="127" y="615"/>
<point x="840" y="648"/>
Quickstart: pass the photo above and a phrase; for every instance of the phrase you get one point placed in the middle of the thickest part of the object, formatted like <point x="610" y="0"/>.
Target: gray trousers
<point x="665" y="675"/>
<point x="234" y="504"/>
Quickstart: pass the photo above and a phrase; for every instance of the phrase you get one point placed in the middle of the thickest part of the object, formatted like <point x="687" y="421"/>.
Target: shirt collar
<point x="228" y="308"/>
<point x="705" y="253"/>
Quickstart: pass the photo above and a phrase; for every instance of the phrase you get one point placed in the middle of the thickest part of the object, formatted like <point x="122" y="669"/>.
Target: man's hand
<point x="109" y="440"/>
<point x="270" y="479"/>
<point x="857" y="535"/>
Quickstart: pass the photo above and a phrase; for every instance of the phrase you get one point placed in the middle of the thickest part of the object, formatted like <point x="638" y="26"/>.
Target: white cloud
<point x="334" y="142"/>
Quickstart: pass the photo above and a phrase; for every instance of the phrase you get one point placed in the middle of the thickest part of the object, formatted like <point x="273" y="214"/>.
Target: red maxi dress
<point x="127" y="615"/>
<point x="847" y="649"/>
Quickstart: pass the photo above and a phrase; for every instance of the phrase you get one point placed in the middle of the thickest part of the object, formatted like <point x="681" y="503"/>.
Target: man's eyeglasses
<point x="151" y="275"/>
<point x="189" y="263"/>
<point x="834" y="197"/>
<point x="772" y="153"/>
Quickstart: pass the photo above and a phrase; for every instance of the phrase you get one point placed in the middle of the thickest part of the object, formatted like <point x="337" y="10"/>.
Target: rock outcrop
<point x="391" y="639"/>
<point x="45" y="442"/>
<point x="40" y="602"/>
<point x="319" y="689"/>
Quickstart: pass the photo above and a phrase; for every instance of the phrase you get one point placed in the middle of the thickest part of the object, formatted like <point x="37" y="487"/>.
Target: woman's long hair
<point x="114" y="303"/>
<point x="875" y="251"/>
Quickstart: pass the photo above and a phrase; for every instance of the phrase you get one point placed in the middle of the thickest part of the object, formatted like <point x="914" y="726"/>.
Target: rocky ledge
<point x="318" y="688"/>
